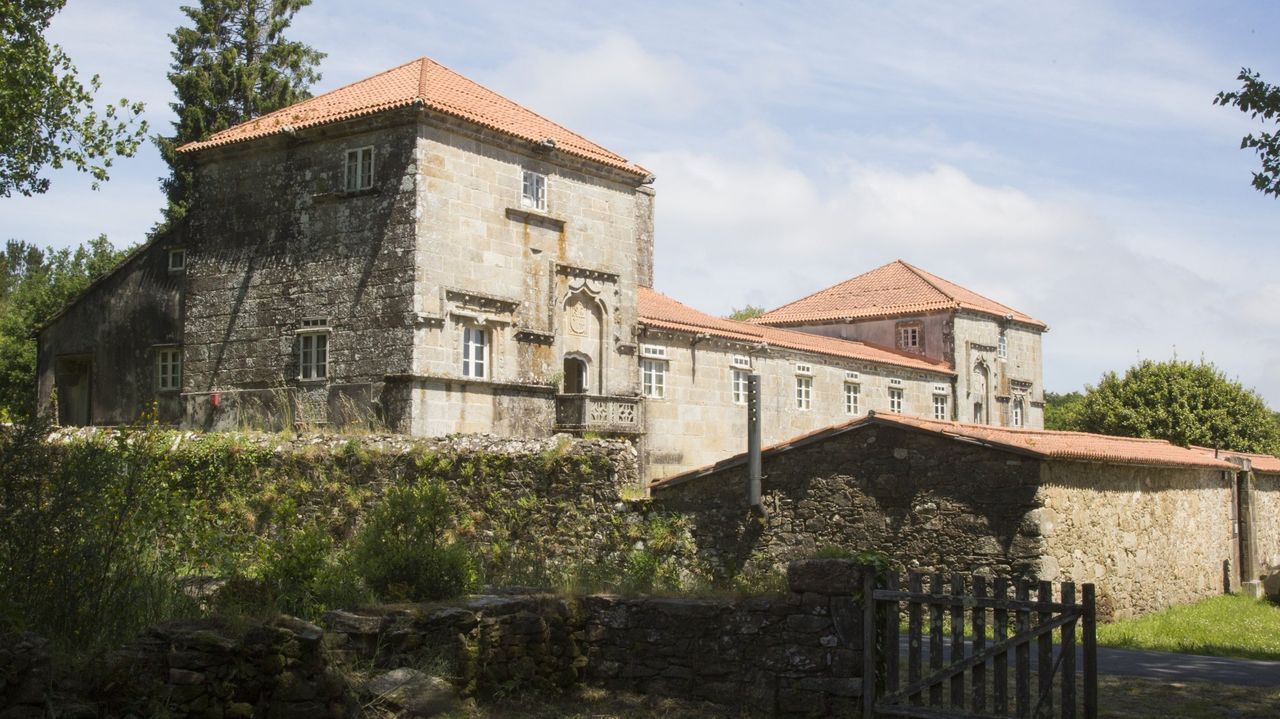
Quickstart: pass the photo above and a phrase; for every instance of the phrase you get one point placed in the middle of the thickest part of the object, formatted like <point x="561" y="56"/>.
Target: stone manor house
<point x="415" y="248"/>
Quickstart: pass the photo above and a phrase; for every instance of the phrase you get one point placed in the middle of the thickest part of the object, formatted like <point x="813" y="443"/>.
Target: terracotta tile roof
<point x="658" y="310"/>
<point x="422" y="81"/>
<point x="1040" y="443"/>
<point x="1262" y="463"/>
<point x="890" y="290"/>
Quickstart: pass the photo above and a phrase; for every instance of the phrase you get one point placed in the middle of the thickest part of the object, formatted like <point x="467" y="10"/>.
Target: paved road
<point x="1171" y="667"/>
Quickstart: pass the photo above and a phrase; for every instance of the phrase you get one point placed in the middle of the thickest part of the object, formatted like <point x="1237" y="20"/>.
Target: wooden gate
<point x="972" y="679"/>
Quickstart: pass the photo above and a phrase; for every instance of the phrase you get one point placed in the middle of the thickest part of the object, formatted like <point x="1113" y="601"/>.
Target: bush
<point x="406" y="551"/>
<point x="303" y="574"/>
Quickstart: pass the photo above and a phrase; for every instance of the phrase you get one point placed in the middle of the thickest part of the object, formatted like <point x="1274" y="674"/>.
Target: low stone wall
<point x="797" y="654"/>
<point x="25" y="675"/>
<point x="1149" y="538"/>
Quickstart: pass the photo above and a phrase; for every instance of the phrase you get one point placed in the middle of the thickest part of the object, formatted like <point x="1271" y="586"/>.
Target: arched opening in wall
<point x="582" y="337"/>
<point x="977" y="413"/>
<point x="980" y="386"/>
<point x="577" y="379"/>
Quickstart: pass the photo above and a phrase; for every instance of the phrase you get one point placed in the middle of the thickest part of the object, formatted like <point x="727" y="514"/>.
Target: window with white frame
<point x="359" y="170"/>
<point x="653" y="378"/>
<point x="895" y="400"/>
<point x="533" y="192"/>
<point x="475" y="352"/>
<point x="742" y="361"/>
<point x="177" y="259"/>
<point x="168" y="368"/>
<point x="851" y="397"/>
<point x="804" y="393"/>
<point x="740" y="386"/>
<point x="1002" y="345"/>
<point x="313" y="355"/>
<point x="910" y="337"/>
<point x="1015" y="412"/>
<point x="941" y="407"/>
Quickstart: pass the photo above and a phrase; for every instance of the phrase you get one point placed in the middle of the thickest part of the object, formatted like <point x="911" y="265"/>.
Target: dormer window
<point x="533" y="193"/>
<point x="359" y="169"/>
<point x="910" y="336"/>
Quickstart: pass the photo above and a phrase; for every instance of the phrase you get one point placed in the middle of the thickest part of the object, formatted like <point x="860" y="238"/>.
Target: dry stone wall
<point x="928" y="502"/>
<point x="1149" y="537"/>
<point x="797" y="654"/>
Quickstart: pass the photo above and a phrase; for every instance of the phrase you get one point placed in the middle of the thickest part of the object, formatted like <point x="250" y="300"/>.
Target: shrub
<point x="303" y="574"/>
<point x="406" y="550"/>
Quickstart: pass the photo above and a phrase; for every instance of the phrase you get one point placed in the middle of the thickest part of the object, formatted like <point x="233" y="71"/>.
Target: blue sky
<point x="1063" y="158"/>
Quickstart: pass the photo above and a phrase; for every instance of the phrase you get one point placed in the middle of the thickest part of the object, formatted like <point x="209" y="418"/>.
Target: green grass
<point x="1226" y="626"/>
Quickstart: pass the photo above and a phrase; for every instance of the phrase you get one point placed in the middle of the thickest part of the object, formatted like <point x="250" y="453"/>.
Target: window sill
<point x="338" y="195"/>
<point x="535" y="217"/>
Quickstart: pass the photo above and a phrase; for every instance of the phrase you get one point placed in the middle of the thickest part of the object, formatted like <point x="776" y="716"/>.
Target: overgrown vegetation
<point x="1225" y="626"/>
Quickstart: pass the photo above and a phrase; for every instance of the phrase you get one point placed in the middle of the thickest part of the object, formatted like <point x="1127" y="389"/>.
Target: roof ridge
<point x="921" y="273"/>
<point x="926" y="278"/>
<point x="815" y="293"/>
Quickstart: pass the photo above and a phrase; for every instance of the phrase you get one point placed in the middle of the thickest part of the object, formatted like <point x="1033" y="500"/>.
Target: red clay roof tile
<point x="422" y="81"/>
<point x="658" y="310"/>
<point x="889" y="290"/>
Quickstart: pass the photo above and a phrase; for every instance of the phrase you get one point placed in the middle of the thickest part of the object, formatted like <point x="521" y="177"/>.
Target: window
<point x="740" y="386"/>
<point x="475" y="352"/>
<point x="1015" y="413"/>
<point x="653" y="378"/>
<point x="804" y="392"/>
<point x="895" y="400"/>
<point x="742" y="361"/>
<point x="653" y="351"/>
<point x="359" y="169"/>
<point x="533" y="193"/>
<point x="168" y="369"/>
<point x="1002" y="346"/>
<point x="941" y="410"/>
<point x="177" y="260"/>
<point x="313" y="355"/>
<point x="909" y="337"/>
<point x="802" y="368"/>
<point x="851" y="392"/>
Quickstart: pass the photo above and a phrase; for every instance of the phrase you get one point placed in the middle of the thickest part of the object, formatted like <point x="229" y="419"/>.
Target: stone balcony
<point x="599" y="413"/>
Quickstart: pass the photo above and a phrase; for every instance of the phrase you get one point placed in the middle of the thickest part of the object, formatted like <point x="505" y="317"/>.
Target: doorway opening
<point x="575" y="376"/>
<point x="72" y="379"/>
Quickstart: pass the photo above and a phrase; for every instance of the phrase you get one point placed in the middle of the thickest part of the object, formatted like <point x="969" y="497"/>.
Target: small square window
<point x="895" y="400"/>
<point x="177" y="260"/>
<point x="169" y="369"/>
<point x="740" y="386"/>
<point x="475" y="352"/>
<point x="533" y="192"/>
<point x="852" y="394"/>
<point x="909" y="337"/>
<point x="653" y="378"/>
<point x="313" y="355"/>
<point x="804" y="393"/>
<point x="359" y="169"/>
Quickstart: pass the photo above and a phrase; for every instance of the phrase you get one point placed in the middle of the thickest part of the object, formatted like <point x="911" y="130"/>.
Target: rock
<point x="413" y="691"/>
<point x="238" y="710"/>
<point x="350" y="623"/>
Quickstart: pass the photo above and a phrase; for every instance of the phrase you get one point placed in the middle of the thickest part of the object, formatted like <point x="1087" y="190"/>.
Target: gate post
<point x="869" y="658"/>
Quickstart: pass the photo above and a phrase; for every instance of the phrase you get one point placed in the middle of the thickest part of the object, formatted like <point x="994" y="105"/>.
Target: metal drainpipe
<point x="753" y="444"/>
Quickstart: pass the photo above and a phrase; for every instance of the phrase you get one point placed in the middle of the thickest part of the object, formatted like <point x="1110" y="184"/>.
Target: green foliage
<point x="406" y="550"/>
<point x="745" y="313"/>
<point x="232" y="64"/>
<point x="82" y="536"/>
<point x="34" y="285"/>
<point x="1225" y="626"/>
<point x="47" y="115"/>
<point x="1184" y="402"/>
<point x="1261" y="102"/>
<point x="1062" y="411"/>
<point x="304" y="574"/>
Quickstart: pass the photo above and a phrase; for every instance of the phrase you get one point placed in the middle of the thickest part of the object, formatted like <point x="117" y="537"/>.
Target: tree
<point x="1183" y="402"/>
<point x="47" y="115"/>
<point x="1260" y="101"/>
<point x="746" y="313"/>
<point x="1062" y="411"/>
<point x="231" y="65"/>
<point x="34" y="285"/>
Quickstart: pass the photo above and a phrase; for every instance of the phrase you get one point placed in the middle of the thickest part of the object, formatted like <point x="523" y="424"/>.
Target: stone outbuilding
<point x="1151" y="523"/>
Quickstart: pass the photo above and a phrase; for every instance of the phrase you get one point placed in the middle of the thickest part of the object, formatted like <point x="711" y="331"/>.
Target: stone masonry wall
<point x="1266" y="523"/>
<point x="1148" y="537"/>
<point x="928" y="502"/>
<point x="272" y="240"/>
<point x="797" y="654"/>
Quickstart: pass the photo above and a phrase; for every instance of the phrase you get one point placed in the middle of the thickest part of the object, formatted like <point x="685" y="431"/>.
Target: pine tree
<point x="232" y="64"/>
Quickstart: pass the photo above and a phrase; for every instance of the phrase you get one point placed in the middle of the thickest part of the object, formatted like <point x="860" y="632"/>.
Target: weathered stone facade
<point x="1266" y="509"/>
<point x="1148" y="536"/>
